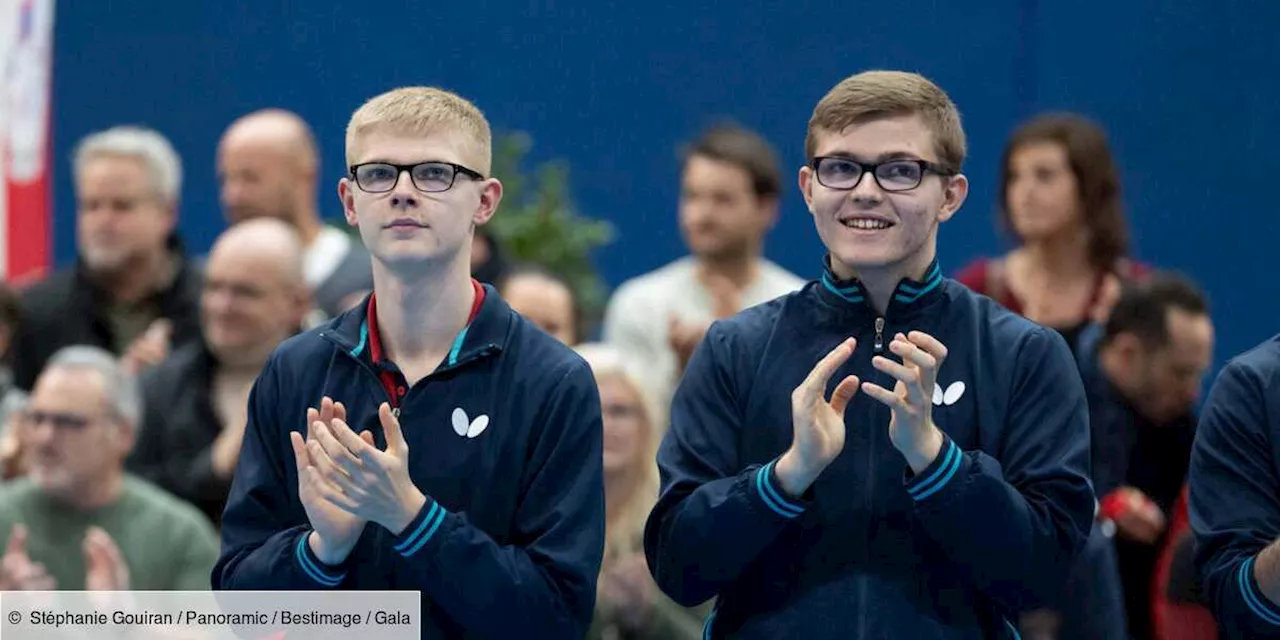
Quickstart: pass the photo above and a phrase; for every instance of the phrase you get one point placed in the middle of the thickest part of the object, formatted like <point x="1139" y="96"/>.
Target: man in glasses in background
<point x="78" y="521"/>
<point x="484" y="414"/>
<point x="948" y="496"/>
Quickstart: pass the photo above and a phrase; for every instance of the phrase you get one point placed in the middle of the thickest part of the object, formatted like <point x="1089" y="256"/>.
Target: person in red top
<point x="1060" y="199"/>
<point x="1177" y="611"/>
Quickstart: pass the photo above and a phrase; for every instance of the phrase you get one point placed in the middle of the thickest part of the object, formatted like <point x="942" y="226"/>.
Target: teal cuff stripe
<point x="774" y="494"/>
<point x="1012" y="629"/>
<point x="457" y="346"/>
<point x="427" y="536"/>
<point x="314" y="572"/>
<point x="1253" y="599"/>
<point x="422" y="526"/>
<point x="847" y="294"/>
<point x="364" y="337"/>
<point x="946" y="460"/>
<point x="771" y="497"/>
<point x="932" y="484"/>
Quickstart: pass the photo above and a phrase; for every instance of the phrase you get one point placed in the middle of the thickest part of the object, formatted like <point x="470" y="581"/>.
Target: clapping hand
<point x="363" y="480"/>
<point x="911" y="427"/>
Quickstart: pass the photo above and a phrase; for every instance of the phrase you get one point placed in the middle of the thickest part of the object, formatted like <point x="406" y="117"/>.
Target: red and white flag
<point x="26" y="203"/>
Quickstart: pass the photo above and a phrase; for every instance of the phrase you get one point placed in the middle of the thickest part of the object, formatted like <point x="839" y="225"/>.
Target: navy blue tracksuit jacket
<point x="504" y="439"/>
<point x="991" y="528"/>
<point x="1235" y="490"/>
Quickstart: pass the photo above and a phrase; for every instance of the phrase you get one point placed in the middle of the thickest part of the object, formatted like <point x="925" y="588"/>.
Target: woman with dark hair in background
<point x="1060" y="199"/>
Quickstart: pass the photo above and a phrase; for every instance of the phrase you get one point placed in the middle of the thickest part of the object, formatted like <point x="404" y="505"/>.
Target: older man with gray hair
<point x="132" y="291"/>
<point x="78" y="521"/>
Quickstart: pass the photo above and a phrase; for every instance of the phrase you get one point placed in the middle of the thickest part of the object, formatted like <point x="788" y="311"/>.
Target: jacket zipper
<point x="871" y="488"/>
<point x="395" y="405"/>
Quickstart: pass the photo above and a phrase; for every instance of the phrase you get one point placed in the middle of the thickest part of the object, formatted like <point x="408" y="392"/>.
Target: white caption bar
<point x="209" y="615"/>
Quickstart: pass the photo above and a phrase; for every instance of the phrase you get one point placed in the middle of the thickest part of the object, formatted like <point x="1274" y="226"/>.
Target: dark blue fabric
<point x="510" y="541"/>
<point x="990" y="529"/>
<point x="1234" y="504"/>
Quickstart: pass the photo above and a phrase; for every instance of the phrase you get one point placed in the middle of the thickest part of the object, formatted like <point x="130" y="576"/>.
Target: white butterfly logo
<point x="950" y="396"/>
<point x="467" y="428"/>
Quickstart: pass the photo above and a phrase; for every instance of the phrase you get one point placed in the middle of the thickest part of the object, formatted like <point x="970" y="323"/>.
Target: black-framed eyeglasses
<point x="903" y="174"/>
<point x="431" y="177"/>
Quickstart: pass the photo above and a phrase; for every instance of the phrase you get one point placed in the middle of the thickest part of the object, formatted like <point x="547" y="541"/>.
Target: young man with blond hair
<point x="430" y="439"/>
<point x="948" y="496"/>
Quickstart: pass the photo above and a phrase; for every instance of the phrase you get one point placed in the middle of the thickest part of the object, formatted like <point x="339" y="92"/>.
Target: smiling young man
<point x="948" y="496"/>
<point x="476" y="475"/>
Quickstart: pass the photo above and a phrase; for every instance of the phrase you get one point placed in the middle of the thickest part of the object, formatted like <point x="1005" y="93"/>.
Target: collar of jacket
<point x="909" y="297"/>
<point x="487" y="333"/>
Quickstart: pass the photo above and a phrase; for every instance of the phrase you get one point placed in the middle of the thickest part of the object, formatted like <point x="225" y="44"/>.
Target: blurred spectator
<point x="488" y="261"/>
<point x="133" y="291"/>
<point x="1061" y="201"/>
<point x="195" y="402"/>
<point x="729" y="191"/>
<point x="1143" y="371"/>
<point x="12" y="399"/>
<point x="79" y="521"/>
<point x="13" y="462"/>
<point x="545" y="299"/>
<point x="269" y="166"/>
<point x="629" y="605"/>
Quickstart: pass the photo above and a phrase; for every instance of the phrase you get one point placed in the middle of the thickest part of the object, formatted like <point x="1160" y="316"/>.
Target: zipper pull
<point x="879" y="335"/>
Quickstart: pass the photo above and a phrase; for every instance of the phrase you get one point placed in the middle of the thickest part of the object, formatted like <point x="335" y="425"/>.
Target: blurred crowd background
<point x="1121" y="157"/>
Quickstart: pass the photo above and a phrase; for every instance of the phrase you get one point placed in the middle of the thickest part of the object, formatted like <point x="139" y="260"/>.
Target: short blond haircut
<point x="422" y="111"/>
<point x="878" y="94"/>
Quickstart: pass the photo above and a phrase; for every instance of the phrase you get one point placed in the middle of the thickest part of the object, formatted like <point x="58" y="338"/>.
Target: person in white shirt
<point x="730" y="185"/>
<point x="268" y="166"/>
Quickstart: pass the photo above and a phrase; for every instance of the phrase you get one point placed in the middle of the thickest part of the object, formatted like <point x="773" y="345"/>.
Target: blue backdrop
<point x="1187" y="91"/>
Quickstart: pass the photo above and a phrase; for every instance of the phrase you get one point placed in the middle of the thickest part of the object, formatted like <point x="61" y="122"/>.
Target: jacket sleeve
<point x="1016" y="522"/>
<point x="714" y="515"/>
<point x="264" y="528"/>
<point x="543" y="583"/>
<point x="1234" y="503"/>
<point x="170" y="464"/>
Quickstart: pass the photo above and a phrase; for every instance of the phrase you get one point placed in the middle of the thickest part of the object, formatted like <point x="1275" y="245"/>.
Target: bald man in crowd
<point x="195" y="402"/>
<point x="268" y="167"/>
